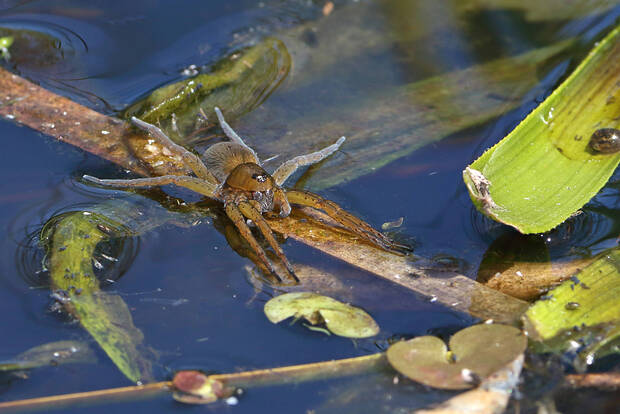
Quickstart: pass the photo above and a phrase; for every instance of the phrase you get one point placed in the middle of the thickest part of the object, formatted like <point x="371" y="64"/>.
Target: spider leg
<point x="238" y="219"/>
<point x="190" y="159"/>
<point x="348" y="220"/>
<point x="289" y="167"/>
<point x="253" y="214"/>
<point x="279" y="199"/>
<point x="230" y="133"/>
<point x="193" y="183"/>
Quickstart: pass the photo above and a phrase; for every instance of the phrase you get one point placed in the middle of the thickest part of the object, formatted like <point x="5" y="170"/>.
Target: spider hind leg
<point x="346" y="219"/>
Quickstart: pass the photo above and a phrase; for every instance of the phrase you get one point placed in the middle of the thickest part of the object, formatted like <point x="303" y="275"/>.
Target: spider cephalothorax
<point x="232" y="173"/>
<point x="251" y="182"/>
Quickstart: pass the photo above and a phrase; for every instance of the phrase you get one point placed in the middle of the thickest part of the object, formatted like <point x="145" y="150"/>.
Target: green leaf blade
<point x="544" y="170"/>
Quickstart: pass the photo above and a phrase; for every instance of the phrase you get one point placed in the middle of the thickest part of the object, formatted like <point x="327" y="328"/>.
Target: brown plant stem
<point x="261" y="377"/>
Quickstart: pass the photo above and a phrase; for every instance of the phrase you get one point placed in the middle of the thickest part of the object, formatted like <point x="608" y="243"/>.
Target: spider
<point x="233" y="174"/>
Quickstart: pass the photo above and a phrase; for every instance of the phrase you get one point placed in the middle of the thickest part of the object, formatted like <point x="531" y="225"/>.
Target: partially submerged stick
<point x="256" y="378"/>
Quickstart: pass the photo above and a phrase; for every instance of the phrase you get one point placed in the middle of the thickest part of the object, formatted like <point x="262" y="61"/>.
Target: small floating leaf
<point x="545" y="169"/>
<point x="194" y="387"/>
<point x="341" y="319"/>
<point x="477" y="352"/>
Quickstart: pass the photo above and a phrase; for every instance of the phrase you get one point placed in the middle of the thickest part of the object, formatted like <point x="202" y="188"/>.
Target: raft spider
<point x="232" y="173"/>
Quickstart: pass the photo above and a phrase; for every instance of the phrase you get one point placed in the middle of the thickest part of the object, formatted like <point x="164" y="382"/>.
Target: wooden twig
<point x="247" y="379"/>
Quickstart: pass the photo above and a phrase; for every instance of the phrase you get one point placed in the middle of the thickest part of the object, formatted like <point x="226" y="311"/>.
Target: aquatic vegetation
<point x="545" y="169"/>
<point x="339" y="318"/>
<point x="475" y="353"/>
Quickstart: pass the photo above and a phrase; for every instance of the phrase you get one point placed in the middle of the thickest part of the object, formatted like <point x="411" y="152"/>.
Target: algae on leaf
<point x="545" y="169"/>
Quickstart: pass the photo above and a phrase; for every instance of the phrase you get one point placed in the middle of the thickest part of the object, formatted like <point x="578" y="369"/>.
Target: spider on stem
<point x="232" y="173"/>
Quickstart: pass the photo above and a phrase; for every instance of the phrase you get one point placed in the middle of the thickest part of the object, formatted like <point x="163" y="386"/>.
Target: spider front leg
<point x="238" y="219"/>
<point x="284" y="171"/>
<point x="193" y="183"/>
<point x="346" y="219"/>
<point x="254" y="214"/>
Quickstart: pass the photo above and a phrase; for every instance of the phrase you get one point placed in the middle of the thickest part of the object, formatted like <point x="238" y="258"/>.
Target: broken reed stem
<point x="248" y="379"/>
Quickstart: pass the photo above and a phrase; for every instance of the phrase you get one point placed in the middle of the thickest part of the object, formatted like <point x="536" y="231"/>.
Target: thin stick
<point x="257" y="378"/>
<point x="88" y="397"/>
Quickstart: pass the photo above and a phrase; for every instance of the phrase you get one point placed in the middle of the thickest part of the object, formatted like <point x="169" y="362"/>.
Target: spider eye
<point x="259" y="177"/>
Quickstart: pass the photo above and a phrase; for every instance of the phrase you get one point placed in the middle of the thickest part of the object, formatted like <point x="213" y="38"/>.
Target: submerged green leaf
<point x="341" y="319"/>
<point x="72" y="240"/>
<point x="475" y="353"/>
<point x="53" y="353"/>
<point x="588" y="301"/>
<point x="240" y="83"/>
<point x="545" y="169"/>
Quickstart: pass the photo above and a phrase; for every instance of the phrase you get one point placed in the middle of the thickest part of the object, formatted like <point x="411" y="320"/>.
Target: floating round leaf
<point x="478" y="351"/>
<point x="340" y="318"/>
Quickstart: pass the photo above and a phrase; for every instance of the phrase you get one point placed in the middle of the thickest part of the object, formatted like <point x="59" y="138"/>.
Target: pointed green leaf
<point x="545" y="169"/>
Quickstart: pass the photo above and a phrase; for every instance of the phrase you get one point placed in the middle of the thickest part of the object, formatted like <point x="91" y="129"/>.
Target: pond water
<point x="189" y="293"/>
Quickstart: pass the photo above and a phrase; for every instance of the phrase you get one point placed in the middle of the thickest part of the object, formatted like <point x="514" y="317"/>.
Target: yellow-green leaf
<point x="72" y="239"/>
<point x="545" y="169"/>
<point x="583" y="311"/>
<point x="341" y="319"/>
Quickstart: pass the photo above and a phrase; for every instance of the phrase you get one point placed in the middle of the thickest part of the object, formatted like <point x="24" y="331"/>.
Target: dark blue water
<point x="116" y="52"/>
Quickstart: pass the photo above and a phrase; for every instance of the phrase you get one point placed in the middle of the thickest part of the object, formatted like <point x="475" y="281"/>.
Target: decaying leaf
<point x="490" y="397"/>
<point x="341" y="319"/>
<point x="477" y="352"/>
<point x="520" y="266"/>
